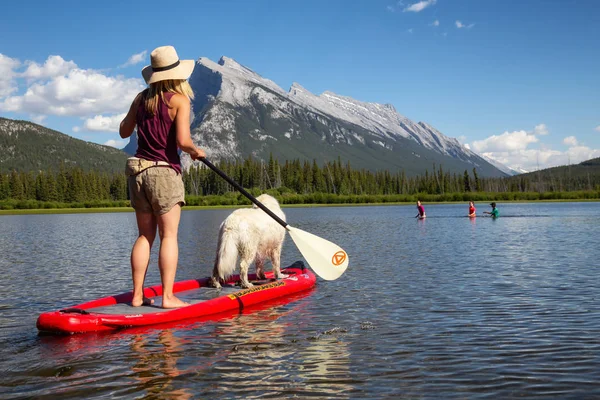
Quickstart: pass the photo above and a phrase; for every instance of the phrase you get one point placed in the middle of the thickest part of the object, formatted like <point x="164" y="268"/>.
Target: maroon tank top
<point x="157" y="139"/>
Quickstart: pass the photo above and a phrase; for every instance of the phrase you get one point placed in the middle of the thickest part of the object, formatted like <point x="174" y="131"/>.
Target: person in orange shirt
<point x="472" y="209"/>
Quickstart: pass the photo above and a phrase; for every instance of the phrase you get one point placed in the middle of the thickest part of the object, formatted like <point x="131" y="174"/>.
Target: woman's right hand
<point x="198" y="154"/>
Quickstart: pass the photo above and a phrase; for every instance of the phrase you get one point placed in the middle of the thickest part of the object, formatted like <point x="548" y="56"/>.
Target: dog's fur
<point x="254" y="236"/>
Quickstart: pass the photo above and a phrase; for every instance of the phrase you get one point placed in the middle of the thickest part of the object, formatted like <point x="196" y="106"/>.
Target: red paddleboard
<point x="116" y="312"/>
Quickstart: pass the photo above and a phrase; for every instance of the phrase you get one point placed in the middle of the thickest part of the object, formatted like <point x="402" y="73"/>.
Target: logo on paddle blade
<point x="338" y="258"/>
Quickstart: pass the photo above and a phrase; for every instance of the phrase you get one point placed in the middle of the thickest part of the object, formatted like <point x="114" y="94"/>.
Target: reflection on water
<point x="326" y="365"/>
<point x="446" y="307"/>
<point x="156" y="367"/>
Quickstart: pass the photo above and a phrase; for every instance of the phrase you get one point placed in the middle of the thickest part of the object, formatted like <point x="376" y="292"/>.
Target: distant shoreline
<point x="190" y="208"/>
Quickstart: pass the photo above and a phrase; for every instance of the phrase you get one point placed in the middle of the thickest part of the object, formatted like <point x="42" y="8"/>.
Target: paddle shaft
<point x="244" y="192"/>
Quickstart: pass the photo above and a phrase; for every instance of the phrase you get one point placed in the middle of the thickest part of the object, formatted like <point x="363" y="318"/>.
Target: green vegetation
<point x="297" y="182"/>
<point x="583" y="176"/>
<point x="25" y="146"/>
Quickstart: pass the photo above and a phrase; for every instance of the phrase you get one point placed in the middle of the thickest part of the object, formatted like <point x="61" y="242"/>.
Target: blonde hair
<point x="158" y="89"/>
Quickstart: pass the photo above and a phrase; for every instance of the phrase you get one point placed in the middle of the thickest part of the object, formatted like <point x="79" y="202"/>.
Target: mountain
<point x="25" y="146"/>
<point x="582" y="176"/>
<point x="504" y="168"/>
<point x="593" y="162"/>
<point x="131" y="146"/>
<point x="238" y="113"/>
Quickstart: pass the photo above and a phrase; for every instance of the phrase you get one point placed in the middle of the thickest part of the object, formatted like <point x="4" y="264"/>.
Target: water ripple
<point x="447" y="308"/>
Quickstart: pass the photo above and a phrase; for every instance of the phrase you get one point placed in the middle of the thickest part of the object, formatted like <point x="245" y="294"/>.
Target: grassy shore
<point x="82" y="210"/>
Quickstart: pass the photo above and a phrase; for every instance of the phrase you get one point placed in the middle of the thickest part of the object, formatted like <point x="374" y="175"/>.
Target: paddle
<point x="327" y="259"/>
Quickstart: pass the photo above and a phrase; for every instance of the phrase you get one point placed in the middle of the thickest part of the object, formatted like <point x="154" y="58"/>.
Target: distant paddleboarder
<point x="421" y="209"/>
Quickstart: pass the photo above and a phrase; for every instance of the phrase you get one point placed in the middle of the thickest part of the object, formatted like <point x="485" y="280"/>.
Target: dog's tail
<point x="227" y="254"/>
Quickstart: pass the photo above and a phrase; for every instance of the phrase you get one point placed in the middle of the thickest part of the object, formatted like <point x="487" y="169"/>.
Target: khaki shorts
<point x="156" y="190"/>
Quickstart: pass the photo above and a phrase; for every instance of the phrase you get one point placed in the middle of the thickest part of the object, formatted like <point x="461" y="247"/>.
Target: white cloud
<point x="8" y="84"/>
<point x="135" y="59"/>
<point x="53" y="67"/>
<point x="529" y="159"/>
<point x="38" y="119"/>
<point x="435" y="23"/>
<point x="460" y="25"/>
<point x="100" y="123"/>
<point x="410" y="30"/>
<point x="78" y="93"/>
<point x="570" y="141"/>
<point x="119" y="144"/>
<point x="579" y="153"/>
<point x="511" y="149"/>
<point x="540" y="129"/>
<point x="508" y="141"/>
<point x="597" y="129"/>
<point x="420" y="6"/>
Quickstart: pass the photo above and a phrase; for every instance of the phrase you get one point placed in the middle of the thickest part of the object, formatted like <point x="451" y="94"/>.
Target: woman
<point x="162" y="116"/>
<point x="472" y="209"/>
<point x="421" y="210"/>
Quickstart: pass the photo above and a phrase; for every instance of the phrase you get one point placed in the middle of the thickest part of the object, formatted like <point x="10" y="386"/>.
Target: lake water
<point x="447" y="307"/>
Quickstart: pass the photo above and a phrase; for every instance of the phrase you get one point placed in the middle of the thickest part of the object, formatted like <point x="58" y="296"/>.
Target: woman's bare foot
<point x="144" y="302"/>
<point x="173" y="302"/>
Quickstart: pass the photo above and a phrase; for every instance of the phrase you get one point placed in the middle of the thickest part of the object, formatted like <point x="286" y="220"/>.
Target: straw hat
<point x="165" y="64"/>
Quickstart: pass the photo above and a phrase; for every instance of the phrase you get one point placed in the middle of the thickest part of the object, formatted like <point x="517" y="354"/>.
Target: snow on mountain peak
<point x="298" y="87"/>
<point x="238" y="74"/>
<point x="239" y="84"/>
<point x="375" y="117"/>
<point x="302" y="96"/>
<point x="503" y="167"/>
<point x="236" y="67"/>
<point x="390" y="107"/>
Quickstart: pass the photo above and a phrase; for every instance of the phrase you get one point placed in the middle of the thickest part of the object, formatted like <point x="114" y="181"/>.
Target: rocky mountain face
<point x="238" y="113"/>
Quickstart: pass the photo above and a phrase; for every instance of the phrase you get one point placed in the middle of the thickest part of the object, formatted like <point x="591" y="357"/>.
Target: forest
<point x="296" y="182"/>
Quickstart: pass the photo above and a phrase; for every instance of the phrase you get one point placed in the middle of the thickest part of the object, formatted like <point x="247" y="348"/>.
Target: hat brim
<point x="182" y="71"/>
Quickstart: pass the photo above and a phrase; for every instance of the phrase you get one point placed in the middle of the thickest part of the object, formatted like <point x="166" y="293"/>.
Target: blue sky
<point x="515" y="80"/>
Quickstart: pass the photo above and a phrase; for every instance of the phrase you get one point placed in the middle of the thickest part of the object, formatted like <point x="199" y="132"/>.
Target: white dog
<point x="253" y="235"/>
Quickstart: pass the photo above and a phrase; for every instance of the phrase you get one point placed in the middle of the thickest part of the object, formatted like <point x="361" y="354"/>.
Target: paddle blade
<point x="327" y="259"/>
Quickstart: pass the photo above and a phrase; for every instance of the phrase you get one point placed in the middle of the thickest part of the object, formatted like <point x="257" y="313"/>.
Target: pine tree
<point x="62" y="183"/>
<point x="477" y="182"/>
<point x="17" y="190"/>
<point x="271" y="171"/>
<point x="41" y="192"/>
<point x="118" y="188"/>
<point x="29" y="186"/>
<point x="4" y="187"/>
<point x="308" y="186"/>
<point x="50" y="185"/>
<point x="318" y="178"/>
<point x="467" y="182"/>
